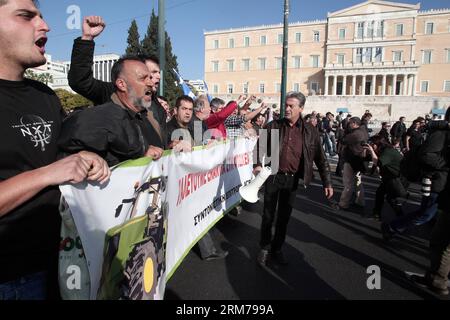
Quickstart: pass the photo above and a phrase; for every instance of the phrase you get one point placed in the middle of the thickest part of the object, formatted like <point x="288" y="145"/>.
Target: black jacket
<point x="398" y="130"/>
<point x="353" y="149"/>
<point x="109" y="130"/>
<point x="312" y="152"/>
<point x="434" y="156"/>
<point x="384" y="134"/>
<point x="173" y="125"/>
<point x="82" y="81"/>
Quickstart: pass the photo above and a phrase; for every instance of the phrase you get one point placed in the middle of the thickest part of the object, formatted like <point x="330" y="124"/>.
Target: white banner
<point x="136" y="231"/>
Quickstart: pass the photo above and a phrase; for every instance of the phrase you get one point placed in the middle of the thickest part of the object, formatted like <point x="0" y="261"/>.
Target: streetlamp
<point x="162" y="43"/>
<point x="285" y="57"/>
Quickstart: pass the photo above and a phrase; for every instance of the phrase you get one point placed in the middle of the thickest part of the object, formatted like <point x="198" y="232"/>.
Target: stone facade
<point x="375" y="49"/>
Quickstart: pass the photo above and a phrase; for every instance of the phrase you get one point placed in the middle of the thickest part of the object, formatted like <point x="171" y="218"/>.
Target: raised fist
<point x="92" y="27"/>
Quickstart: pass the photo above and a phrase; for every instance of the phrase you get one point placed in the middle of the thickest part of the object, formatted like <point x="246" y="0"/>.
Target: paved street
<point x="329" y="253"/>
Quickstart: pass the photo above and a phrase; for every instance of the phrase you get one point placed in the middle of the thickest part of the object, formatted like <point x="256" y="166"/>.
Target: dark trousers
<point x="395" y="203"/>
<point x="428" y="210"/>
<point x="340" y="165"/>
<point x="440" y="250"/>
<point x="206" y="246"/>
<point x="279" y="189"/>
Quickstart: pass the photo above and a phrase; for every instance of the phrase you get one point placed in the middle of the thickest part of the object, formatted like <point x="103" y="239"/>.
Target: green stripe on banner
<point x="141" y="162"/>
<point x="145" y="161"/>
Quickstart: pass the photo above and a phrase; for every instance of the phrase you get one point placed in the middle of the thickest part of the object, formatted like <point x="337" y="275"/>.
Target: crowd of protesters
<point x="130" y="121"/>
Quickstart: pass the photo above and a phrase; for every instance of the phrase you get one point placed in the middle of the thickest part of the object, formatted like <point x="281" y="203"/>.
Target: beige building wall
<point x="305" y="62"/>
<point x="382" y="45"/>
<point x="438" y="71"/>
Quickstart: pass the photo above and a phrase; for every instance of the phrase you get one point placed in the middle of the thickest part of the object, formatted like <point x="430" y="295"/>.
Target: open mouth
<point x="148" y="93"/>
<point x="41" y="43"/>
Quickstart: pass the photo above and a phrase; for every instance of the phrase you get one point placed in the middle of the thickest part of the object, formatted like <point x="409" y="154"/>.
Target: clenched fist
<point x="92" y="27"/>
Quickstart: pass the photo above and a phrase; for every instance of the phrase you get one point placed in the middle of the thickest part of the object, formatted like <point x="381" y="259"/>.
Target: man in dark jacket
<point x="384" y="132"/>
<point x="81" y="78"/>
<point x="300" y="147"/>
<point x="117" y="130"/>
<point x="181" y="138"/>
<point x="434" y="167"/>
<point x="398" y="130"/>
<point x="353" y="156"/>
<point x="436" y="277"/>
<point x="393" y="185"/>
<point x="181" y="123"/>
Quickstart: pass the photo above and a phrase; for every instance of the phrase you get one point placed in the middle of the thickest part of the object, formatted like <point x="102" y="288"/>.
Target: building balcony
<point x="382" y="64"/>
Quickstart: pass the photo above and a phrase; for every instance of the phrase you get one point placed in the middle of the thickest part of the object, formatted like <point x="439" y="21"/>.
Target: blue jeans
<point x="327" y="144"/>
<point x="29" y="287"/>
<point x="427" y="211"/>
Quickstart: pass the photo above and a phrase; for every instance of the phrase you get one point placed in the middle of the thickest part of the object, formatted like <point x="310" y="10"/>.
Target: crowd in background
<point x="43" y="148"/>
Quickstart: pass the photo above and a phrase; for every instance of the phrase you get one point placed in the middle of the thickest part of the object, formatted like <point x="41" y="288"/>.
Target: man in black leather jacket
<point x="117" y="130"/>
<point x="81" y="78"/>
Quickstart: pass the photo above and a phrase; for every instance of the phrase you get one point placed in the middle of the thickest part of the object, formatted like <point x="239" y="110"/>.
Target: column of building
<point x="407" y="84"/>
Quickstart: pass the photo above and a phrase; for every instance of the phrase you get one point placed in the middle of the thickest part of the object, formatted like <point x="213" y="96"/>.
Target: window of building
<point x="231" y="43"/>
<point x="368" y="55"/>
<point x="316" y="36"/>
<point x="280" y="38"/>
<point x="230" y="65"/>
<point x="263" y="40"/>
<point x="397" y="56"/>
<point x="314" y="87"/>
<point x="296" y="87"/>
<point x="262" y="88"/>
<point x="296" y="62"/>
<point x="298" y="37"/>
<point x="424" y="86"/>
<point x="246" y="64"/>
<point x="278" y="63"/>
<point x="216" y="44"/>
<point x="342" y="32"/>
<point x="360" y="30"/>
<point x="378" y="54"/>
<point x="340" y="58"/>
<point x="215" y="89"/>
<point x="399" y="29"/>
<point x="315" y="61"/>
<point x="447" y="86"/>
<point x="262" y="63"/>
<point x="448" y="55"/>
<point x="245" y="88"/>
<point x="359" y="55"/>
<point x="380" y="29"/>
<point x="426" y="58"/>
<point x="215" y="66"/>
<point x="246" y="41"/>
<point x="429" y="28"/>
<point x="370" y="29"/>
<point x="230" y="89"/>
<point x="277" y="87"/>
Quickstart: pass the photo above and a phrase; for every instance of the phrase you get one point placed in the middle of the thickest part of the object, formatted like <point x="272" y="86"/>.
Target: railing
<point x="373" y="64"/>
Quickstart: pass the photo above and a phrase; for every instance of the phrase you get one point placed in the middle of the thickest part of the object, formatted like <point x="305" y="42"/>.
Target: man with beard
<point x="81" y="78"/>
<point x="117" y="130"/>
